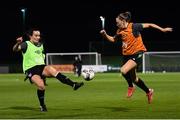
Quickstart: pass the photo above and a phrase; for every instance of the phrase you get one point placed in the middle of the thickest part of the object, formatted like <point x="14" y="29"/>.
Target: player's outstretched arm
<point x="151" y="25"/>
<point x="106" y="36"/>
<point x="17" y="46"/>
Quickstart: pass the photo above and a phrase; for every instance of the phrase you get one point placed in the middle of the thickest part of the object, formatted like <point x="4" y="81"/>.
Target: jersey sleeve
<point x="23" y="47"/>
<point x="116" y="37"/>
<point x="136" y="28"/>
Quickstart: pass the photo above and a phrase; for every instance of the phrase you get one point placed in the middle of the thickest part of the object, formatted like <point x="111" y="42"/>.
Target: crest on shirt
<point x="38" y="51"/>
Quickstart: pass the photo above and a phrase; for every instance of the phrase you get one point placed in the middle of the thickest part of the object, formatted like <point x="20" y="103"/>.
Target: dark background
<point x="70" y="26"/>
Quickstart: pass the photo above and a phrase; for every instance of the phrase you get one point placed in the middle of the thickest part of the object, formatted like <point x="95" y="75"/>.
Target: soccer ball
<point x="88" y="74"/>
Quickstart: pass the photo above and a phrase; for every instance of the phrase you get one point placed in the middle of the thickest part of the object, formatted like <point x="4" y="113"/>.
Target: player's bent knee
<point x="41" y="87"/>
<point x="123" y="71"/>
<point x="50" y="71"/>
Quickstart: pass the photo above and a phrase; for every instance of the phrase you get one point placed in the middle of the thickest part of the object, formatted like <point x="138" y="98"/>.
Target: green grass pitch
<point x="102" y="98"/>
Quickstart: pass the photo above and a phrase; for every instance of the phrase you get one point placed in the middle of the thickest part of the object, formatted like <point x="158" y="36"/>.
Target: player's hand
<point x="19" y="40"/>
<point x="103" y="32"/>
<point x="168" y="29"/>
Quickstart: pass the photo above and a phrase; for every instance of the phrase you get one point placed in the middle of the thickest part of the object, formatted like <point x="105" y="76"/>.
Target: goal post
<point x="88" y="58"/>
<point x="64" y="61"/>
<point x="165" y="61"/>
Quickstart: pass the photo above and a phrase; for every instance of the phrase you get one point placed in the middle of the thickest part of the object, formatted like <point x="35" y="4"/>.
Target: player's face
<point x="35" y="36"/>
<point x="120" y="23"/>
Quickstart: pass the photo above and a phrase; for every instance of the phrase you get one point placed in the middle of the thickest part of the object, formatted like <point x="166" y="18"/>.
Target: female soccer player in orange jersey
<point x="132" y="49"/>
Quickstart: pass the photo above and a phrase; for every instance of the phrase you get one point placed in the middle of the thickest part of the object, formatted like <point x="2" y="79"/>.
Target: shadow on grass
<point x="116" y="109"/>
<point x="23" y="108"/>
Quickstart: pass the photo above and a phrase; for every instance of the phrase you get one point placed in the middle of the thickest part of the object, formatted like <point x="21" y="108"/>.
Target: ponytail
<point x="126" y="16"/>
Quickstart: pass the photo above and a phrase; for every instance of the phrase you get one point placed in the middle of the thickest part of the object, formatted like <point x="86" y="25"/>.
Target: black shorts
<point x="36" y="70"/>
<point x="136" y="58"/>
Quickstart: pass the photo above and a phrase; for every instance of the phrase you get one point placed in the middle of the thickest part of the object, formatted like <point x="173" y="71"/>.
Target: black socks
<point x="128" y="79"/>
<point x="141" y="84"/>
<point x="40" y="94"/>
<point x="64" y="79"/>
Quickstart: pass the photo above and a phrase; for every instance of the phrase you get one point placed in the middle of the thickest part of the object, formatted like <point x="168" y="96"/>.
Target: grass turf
<point x="102" y="98"/>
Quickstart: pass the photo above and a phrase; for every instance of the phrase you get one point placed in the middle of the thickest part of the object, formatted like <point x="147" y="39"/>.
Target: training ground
<point x="102" y="98"/>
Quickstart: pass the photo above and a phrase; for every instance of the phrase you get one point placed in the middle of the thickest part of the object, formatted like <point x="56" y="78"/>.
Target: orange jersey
<point x="130" y="43"/>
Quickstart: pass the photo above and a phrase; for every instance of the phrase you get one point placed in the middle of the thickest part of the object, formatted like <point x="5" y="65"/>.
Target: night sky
<point x="69" y="26"/>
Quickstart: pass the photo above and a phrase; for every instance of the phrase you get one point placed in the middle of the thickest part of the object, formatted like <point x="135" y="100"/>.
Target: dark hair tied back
<point x="126" y="16"/>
